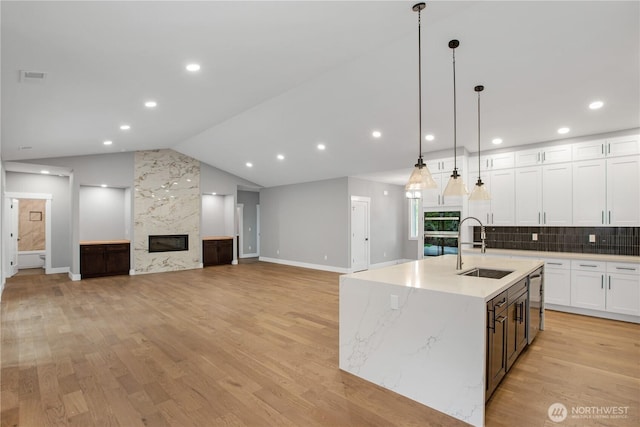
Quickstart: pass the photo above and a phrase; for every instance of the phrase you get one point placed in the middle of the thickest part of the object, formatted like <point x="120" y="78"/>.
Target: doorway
<point x="27" y="228"/>
<point x="360" y="244"/>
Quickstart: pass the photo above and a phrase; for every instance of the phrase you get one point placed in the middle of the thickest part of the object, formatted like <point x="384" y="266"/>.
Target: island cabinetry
<point x="217" y="251"/>
<point x="496" y="342"/>
<point x="517" y="297"/>
<point x="110" y="258"/>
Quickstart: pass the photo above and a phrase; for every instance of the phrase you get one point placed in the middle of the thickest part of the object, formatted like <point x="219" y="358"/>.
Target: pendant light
<point x="420" y="178"/>
<point x="480" y="191"/>
<point x="455" y="186"/>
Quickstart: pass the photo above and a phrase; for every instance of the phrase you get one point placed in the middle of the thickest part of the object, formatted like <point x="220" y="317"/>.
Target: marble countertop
<point x="217" y="238"/>
<point x="544" y="254"/>
<point x="103" y="242"/>
<point x="439" y="274"/>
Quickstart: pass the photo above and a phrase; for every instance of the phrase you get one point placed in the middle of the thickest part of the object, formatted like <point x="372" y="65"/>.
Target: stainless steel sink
<point x="486" y="272"/>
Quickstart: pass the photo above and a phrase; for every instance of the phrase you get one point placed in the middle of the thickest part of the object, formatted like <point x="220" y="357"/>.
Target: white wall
<point x="103" y="213"/>
<point x="213" y="216"/>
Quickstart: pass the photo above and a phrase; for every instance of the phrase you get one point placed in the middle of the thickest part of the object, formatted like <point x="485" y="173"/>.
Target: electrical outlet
<point x="384" y="254"/>
<point x="277" y="251"/>
<point x="249" y="247"/>
<point x="592" y="238"/>
<point x="394" y="302"/>
<point x="325" y="257"/>
<point x="534" y="237"/>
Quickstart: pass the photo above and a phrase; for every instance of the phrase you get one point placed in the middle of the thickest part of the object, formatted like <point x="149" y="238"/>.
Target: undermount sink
<point x="486" y="272"/>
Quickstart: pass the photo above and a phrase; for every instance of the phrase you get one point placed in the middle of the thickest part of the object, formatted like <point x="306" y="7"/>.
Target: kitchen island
<point x="419" y="329"/>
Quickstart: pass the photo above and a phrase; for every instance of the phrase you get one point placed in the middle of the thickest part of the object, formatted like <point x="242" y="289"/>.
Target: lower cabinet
<point x="516" y="321"/>
<point x="104" y="259"/>
<point x="557" y="282"/>
<point x="217" y="251"/>
<point x="496" y="342"/>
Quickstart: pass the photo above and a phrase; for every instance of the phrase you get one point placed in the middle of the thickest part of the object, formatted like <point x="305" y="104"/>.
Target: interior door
<point x="359" y="234"/>
<point x="12" y="215"/>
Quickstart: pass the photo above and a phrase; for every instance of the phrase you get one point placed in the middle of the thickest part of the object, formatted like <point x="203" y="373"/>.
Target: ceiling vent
<point x="32" y="76"/>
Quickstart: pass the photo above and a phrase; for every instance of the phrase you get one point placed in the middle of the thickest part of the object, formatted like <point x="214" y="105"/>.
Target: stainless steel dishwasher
<point x="536" y="303"/>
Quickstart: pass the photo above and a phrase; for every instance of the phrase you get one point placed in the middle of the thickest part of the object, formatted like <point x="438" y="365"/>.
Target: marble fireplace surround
<point x="166" y="202"/>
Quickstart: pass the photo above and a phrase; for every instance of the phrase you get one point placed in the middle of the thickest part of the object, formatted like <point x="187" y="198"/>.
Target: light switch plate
<point x="394" y="302"/>
<point x="534" y="237"/>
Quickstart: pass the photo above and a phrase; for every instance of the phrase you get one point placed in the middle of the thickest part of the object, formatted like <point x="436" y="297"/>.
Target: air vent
<point x="32" y="76"/>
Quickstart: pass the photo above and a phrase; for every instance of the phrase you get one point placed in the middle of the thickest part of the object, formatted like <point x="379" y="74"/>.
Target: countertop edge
<point x="103" y="242"/>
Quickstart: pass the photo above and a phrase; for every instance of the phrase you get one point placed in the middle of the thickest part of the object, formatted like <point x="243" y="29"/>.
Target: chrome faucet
<point x="483" y="246"/>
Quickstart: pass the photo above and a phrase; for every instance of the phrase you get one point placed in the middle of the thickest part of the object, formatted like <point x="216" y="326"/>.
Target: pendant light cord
<point x="455" y="155"/>
<point x="419" y="91"/>
<point x="479" y="180"/>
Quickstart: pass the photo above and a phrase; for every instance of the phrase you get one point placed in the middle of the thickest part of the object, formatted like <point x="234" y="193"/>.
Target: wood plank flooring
<point x="257" y="345"/>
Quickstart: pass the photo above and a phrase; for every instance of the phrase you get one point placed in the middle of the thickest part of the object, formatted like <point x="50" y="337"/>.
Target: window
<point x="414" y="219"/>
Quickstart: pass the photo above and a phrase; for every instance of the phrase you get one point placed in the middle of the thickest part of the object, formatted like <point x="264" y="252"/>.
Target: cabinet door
<point x="623" y="191"/>
<point x="432" y="197"/>
<point x="117" y="259"/>
<point x="589" y="192"/>
<point x="92" y="260"/>
<point x="502" y="161"/>
<point x="529" y="196"/>
<point x="556" y="194"/>
<point x="587" y="289"/>
<point x="225" y="251"/>
<point x="623" y="146"/>
<point x="623" y="293"/>
<point x="209" y="253"/>
<point x="531" y="157"/>
<point x="557" y="154"/>
<point x="497" y="362"/>
<point x="502" y="192"/>
<point x="557" y="286"/>
<point x="589" y="150"/>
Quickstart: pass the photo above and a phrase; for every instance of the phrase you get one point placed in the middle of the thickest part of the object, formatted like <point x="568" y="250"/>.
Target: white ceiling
<point x="281" y="77"/>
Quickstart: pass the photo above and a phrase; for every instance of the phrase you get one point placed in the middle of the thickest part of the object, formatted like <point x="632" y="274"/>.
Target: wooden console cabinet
<point x="217" y="250"/>
<point x="104" y="258"/>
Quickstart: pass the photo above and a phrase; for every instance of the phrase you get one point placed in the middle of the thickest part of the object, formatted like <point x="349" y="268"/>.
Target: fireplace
<point x="169" y="242"/>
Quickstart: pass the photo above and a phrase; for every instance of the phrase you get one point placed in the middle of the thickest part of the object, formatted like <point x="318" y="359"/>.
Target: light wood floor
<point x="257" y="345"/>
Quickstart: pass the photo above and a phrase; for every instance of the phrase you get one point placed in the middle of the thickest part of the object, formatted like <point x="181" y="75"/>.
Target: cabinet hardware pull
<point x="538" y="157"/>
<point x="609" y="147"/>
<point x="501" y="303"/>
<point x="501" y="319"/>
<point x="491" y="163"/>
<point x="609" y="282"/>
<point x="609" y="217"/>
<point x="602" y="147"/>
<point x="538" y="217"/>
<point x="492" y="218"/>
<point x="554" y="263"/>
<point x="487" y="218"/>
<point x="588" y="265"/>
<point x="544" y="157"/>
<point x="626" y="268"/>
<point x="544" y="216"/>
<point x="601" y="282"/>
<point x="603" y="217"/>
<point x="522" y="312"/>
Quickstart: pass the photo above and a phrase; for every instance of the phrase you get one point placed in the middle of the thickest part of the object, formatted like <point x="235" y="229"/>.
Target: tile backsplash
<point x="608" y="240"/>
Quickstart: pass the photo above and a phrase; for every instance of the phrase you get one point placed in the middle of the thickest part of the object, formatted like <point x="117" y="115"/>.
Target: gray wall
<point x="59" y="188"/>
<point x="213" y="216"/>
<point x="305" y="222"/>
<point x="388" y="219"/>
<point x="102" y="213"/>
<point x="250" y="200"/>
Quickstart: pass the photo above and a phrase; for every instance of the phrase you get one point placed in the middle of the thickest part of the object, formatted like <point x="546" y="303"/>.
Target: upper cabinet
<point x="543" y="195"/>
<point x="543" y="156"/>
<point x="607" y="192"/>
<point x="612" y="147"/>
<point x="441" y="170"/>
<point x="491" y="162"/>
<point x="500" y="210"/>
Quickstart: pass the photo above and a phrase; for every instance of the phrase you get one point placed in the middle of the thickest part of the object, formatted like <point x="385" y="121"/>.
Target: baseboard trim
<point x="74" y="277"/>
<point x="249" y="255"/>
<point x="57" y="270"/>
<point x="132" y="272"/>
<point x="305" y="265"/>
<point x="594" y="313"/>
<point x="234" y="262"/>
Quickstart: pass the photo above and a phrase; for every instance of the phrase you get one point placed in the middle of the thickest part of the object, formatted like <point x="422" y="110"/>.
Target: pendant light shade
<point x="420" y="178"/>
<point x="455" y="186"/>
<point x="480" y="191"/>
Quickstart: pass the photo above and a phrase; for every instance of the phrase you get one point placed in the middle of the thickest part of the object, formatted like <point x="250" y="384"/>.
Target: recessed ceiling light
<point x="193" y="67"/>
<point x="151" y="104"/>
<point x="376" y="134"/>
<point x="321" y="147"/>
<point x="596" y="104"/>
<point x="108" y="142"/>
<point x="496" y="141"/>
<point x="249" y="164"/>
<point x="45" y="172"/>
<point x="280" y="157"/>
<point x="429" y="137"/>
<point x="103" y="185"/>
<point x="125" y="127"/>
<point x="563" y="130"/>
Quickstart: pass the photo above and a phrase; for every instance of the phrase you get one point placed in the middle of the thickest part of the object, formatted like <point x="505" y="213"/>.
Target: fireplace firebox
<point x="169" y="242"/>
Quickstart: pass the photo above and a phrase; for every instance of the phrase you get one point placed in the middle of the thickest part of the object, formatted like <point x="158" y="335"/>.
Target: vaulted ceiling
<point x="283" y="77"/>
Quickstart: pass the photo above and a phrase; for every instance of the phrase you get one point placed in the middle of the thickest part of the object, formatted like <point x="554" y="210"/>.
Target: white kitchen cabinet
<point x="543" y="156"/>
<point x="500" y="210"/>
<point x="543" y="195"/>
<point x="623" y="288"/>
<point x="490" y="162"/>
<point x="612" y="147"/>
<point x="623" y="191"/>
<point x="588" y="284"/>
<point x="607" y="192"/>
<point x="441" y="170"/>
<point x="557" y="281"/>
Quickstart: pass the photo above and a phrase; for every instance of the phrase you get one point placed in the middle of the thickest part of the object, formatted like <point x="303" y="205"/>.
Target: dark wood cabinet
<point x="217" y="251"/>
<point x="104" y="259"/>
